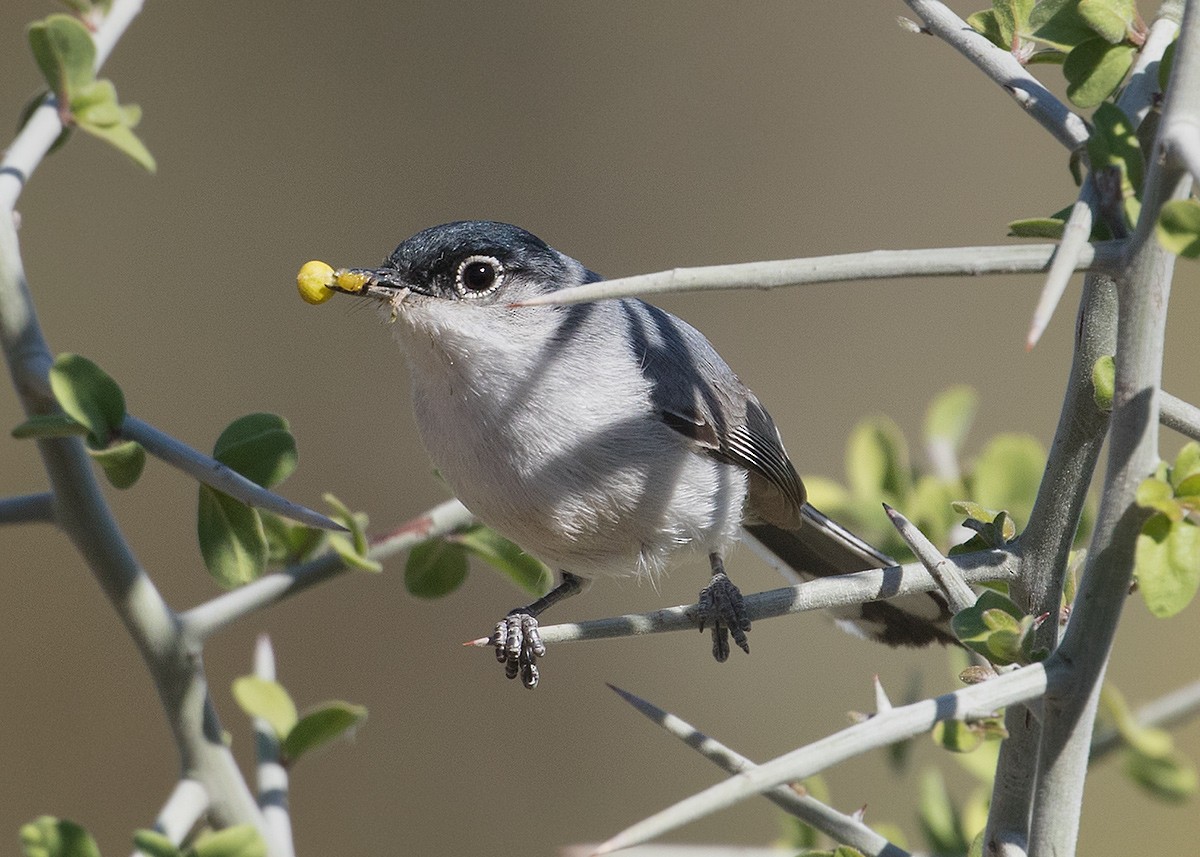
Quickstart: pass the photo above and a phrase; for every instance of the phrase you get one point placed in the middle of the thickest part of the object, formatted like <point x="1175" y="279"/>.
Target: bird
<point x="606" y="438"/>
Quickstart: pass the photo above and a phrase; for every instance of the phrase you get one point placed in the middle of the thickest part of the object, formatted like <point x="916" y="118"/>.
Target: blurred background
<point x="635" y="137"/>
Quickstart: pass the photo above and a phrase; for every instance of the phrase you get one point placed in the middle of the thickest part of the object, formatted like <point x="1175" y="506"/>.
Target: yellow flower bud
<point x="314" y="281"/>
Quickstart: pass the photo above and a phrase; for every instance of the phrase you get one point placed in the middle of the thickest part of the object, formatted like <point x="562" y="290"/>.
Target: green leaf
<point x="994" y="627"/>
<point x="988" y="25"/>
<point x="289" y="543"/>
<point x="323" y="724"/>
<point x="877" y="460"/>
<point x="1164" y="67"/>
<point x="1186" y="468"/>
<point x="1037" y="227"/>
<point x="352" y="550"/>
<point x="1171" y="777"/>
<point x="241" y="840"/>
<point x="950" y="415"/>
<point x="53" y="837"/>
<point x="1157" y="494"/>
<point x="1094" y="70"/>
<point x="527" y="572"/>
<point x="1007" y="474"/>
<point x="1167" y="564"/>
<point x="435" y="568"/>
<point x="1104" y="382"/>
<point x="123" y="462"/>
<point x="49" y="425"/>
<point x="65" y="53"/>
<point x="258" y="446"/>
<point x="1058" y="23"/>
<point x="269" y="700"/>
<point x="957" y="736"/>
<point x="154" y="844"/>
<point x="1178" y="227"/>
<point x="1111" y="19"/>
<point x="930" y="508"/>
<point x="232" y="540"/>
<point x="95" y="110"/>
<point x="89" y="396"/>
<point x="1119" y="146"/>
<point x="938" y="817"/>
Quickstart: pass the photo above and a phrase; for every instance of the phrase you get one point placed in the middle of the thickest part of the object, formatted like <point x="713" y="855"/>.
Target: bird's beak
<point x="380" y="283"/>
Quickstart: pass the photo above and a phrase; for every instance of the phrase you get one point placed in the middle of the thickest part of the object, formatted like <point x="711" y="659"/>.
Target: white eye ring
<point x="478" y="276"/>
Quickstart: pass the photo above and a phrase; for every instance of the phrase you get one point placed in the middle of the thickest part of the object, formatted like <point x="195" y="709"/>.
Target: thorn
<point x="479" y="643"/>
<point x="882" y="703"/>
<point x="860" y="813"/>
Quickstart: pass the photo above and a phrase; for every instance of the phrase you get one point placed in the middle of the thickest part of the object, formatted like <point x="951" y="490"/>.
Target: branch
<point x="837" y="591"/>
<point x="870" y="265"/>
<point x="1003" y="68"/>
<point x="842" y="828"/>
<point x="272" y="775"/>
<point x="959" y="596"/>
<point x="1144" y="291"/>
<point x="884" y="728"/>
<point x="44" y="125"/>
<point x="1178" y="415"/>
<point x="205" y="619"/>
<point x="28" y="509"/>
<point x="216" y="475"/>
<point x="1176" y="707"/>
<point x="187" y="803"/>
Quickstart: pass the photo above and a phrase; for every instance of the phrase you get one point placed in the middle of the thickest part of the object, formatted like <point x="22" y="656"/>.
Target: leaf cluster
<point x="296" y="733"/>
<point x="55" y="837"/>
<point x="1167" y="557"/>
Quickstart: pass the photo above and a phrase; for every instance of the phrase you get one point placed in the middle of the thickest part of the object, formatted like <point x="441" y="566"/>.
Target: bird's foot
<point x="722" y="608"/>
<point x="518" y="646"/>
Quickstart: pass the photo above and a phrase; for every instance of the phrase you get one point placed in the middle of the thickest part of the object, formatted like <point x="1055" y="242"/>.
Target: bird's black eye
<point x="479" y="274"/>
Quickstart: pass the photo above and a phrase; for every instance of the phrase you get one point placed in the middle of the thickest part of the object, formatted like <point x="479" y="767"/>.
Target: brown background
<point x="635" y="137"/>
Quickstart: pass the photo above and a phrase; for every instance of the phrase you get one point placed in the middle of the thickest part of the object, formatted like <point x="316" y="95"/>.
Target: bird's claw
<point x="518" y="646"/>
<point x="722" y="607"/>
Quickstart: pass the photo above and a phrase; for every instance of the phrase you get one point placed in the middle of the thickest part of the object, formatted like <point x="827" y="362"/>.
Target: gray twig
<point x="28" y="509"/>
<point x="272" y="775"/>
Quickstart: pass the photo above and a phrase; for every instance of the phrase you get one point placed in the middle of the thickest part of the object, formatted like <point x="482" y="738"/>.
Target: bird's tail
<point x="821" y="547"/>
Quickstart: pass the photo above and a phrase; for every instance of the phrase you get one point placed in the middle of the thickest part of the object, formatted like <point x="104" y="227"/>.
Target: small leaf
<point x="289" y="543"/>
<point x="1007" y="474"/>
<point x="1186" y="467"/>
<point x="956" y="736"/>
<point x="154" y="844"/>
<point x="939" y="819"/>
<point x="994" y="627"/>
<point x="877" y="460"/>
<point x="123" y="462"/>
<point x="1037" y="227"/>
<point x="1167" y="564"/>
<point x="1178" y="227"/>
<point x="259" y="447"/>
<point x="435" y="568"/>
<point x="49" y="425"/>
<point x="65" y="53"/>
<point x="1121" y="148"/>
<point x="232" y="540"/>
<point x="268" y="700"/>
<point x="241" y="840"/>
<point x="1095" y="69"/>
<point x="1058" y="23"/>
<point x="53" y="837"/>
<point x="354" y="550"/>
<point x="1171" y="777"/>
<point x="89" y="396"/>
<point x="1111" y="19"/>
<point x="1104" y="382"/>
<point x="951" y="414"/>
<point x="527" y="572"/>
<point x="328" y="721"/>
<point x="988" y="25"/>
<point x="1155" y="493"/>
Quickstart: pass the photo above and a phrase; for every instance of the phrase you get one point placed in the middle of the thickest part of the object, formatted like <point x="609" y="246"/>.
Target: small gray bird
<point x="605" y="438"/>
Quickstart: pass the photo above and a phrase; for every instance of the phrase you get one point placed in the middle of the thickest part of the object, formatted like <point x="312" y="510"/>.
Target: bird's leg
<point x="517" y="641"/>
<point x="721" y="607"/>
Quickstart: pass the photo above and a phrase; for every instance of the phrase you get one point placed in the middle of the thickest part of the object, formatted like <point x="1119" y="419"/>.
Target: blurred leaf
<point x="289" y="543"/>
<point x="122" y="462"/>
<point x="1171" y="777"/>
<point x="268" y="700"/>
<point x="154" y="844"/>
<point x="328" y="721"/>
<point x="49" y="425"/>
<point x="877" y="460"/>
<point x="1037" y="227"/>
<point x="241" y="840"/>
<point x="65" y="53"/>
<point x="1178" y="227"/>
<point x="1094" y="70"/>
<point x="956" y="736"/>
<point x="354" y="550"/>
<point x="1167" y="564"/>
<point x="232" y="540"/>
<point x="930" y="508"/>
<point x="950" y="415"/>
<point x="1119" y="145"/>
<point x="435" y="568"/>
<point x="1007" y="474"/>
<point x="53" y="837"/>
<point x="259" y="447"/>
<point x="527" y="572"/>
<point x="1164" y="67"/>
<point x="939" y="819"/>
<point x="89" y="396"/>
<point x="1186" y="468"/>
<point x="1155" y="493"/>
<point x="1104" y="382"/>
